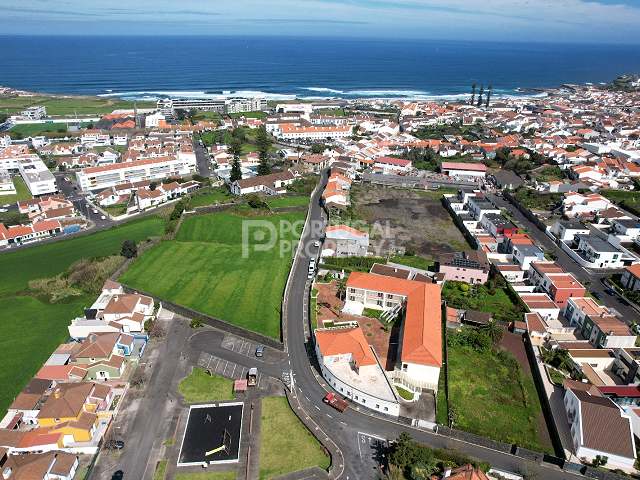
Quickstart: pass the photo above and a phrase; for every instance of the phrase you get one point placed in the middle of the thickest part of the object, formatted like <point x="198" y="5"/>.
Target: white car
<point x="102" y="217"/>
<point x="95" y="211"/>
<point x="3" y="210"/>
<point x="316" y="244"/>
<point x="311" y="275"/>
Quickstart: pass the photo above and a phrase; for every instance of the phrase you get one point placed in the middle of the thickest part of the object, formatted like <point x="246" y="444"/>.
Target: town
<point x="407" y="288"/>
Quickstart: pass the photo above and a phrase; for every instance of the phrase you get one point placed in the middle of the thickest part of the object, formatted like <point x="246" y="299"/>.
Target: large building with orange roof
<point x="420" y="349"/>
<point x="349" y="365"/>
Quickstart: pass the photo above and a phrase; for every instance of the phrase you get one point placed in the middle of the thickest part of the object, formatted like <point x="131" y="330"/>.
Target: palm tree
<point x="494" y="331"/>
<point x="473" y="93"/>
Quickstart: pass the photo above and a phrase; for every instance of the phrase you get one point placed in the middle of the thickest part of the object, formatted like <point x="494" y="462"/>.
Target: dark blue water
<point x="133" y="67"/>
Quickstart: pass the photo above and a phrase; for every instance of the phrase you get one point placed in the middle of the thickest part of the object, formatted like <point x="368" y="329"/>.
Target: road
<point x="202" y="158"/>
<point x="345" y="429"/>
<point x="592" y="280"/>
<point x="72" y="192"/>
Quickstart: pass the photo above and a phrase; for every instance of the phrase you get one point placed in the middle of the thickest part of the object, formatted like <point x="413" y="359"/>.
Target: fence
<point x="212" y="321"/>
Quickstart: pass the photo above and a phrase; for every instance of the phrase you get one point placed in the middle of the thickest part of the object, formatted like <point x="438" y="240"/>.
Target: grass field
<point x="32" y="328"/>
<point x="53" y="258"/>
<point x="200" y="387"/>
<point x="493" y="398"/>
<point x="69" y="105"/>
<point x="414" y="261"/>
<point x="480" y="297"/>
<point x="288" y="201"/>
<point x="161" y="470"/>
<point x="629" y="200"/>
<point x="204" y="269"/>
<point x="209" y="196"/>
<point x="285" y="444"/>
<point x="22" y="192"/>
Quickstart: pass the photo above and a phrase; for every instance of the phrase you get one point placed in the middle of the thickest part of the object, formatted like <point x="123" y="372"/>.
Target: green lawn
<point x="116" y="210"/>
<point x="209" y="196"/>
<point x="70" y="105"/>
<point x="414" y="261"/>
<point x="227" y="475"/>
<point x="33" y="129"/>
<point x="205" y="269"/>
<point x="493" y="398"/>
<point x="406" y="394"/>
<point x="249" y="115"/>
<point x="53" y="258"/>
<point x="629" y="200"/>
<point x="200" y="387"/>
<point x="534" y="200"/>
<point x="161" y="470"/>
<point x="22" y="192"/>
<point x="285" y="443"/>
<point x="32" y="328"/>
<point x="279" y="201"/>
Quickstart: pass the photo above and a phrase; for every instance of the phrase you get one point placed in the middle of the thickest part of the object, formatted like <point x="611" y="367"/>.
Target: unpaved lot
<point x="408" y="219"/>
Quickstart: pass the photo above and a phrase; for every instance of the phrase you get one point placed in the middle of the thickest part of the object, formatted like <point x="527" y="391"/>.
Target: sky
<point x="569" y="21"/>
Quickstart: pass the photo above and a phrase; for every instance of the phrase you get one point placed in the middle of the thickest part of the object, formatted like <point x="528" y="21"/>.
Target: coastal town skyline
<point x="569" y="21"/>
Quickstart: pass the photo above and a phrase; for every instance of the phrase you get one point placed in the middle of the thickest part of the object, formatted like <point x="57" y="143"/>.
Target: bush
<point x="129" y="249"/>
<point x="255" y="201"/>
<point x="195" y="323"/>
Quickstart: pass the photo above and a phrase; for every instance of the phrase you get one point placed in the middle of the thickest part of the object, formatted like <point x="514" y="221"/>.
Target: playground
<point x="212" y="435"/>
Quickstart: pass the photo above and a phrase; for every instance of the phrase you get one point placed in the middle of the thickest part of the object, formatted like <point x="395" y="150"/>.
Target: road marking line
<point x="316" y="407"/>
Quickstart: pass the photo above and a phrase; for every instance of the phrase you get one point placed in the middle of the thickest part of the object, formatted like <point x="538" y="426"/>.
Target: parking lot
<point x="239" y="345"/>
<point x="228" y="369"/>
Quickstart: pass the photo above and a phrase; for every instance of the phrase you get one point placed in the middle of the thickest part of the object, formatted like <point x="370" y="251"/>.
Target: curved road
<point x="345" y="429"/>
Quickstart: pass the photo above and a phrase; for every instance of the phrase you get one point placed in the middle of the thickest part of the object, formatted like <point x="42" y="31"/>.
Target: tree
<point x="318" y="148"/>
<point x="129" y="249"/>
<point x="341" y="287"/>
<point x="235" y="148"/>
<point x="600" y="461"/>
<point x="264" y="144"/>
<point x="494" y="331"/>
<point x="153" y="186"/>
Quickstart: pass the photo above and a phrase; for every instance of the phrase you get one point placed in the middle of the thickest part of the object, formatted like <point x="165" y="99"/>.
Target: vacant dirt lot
<point x="416" y="220"/>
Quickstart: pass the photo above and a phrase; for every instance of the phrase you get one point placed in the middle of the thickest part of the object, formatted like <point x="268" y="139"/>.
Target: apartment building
<point x="321" y="132"/>
<point x="37" y="177"/>
<point x="100" y="178"/>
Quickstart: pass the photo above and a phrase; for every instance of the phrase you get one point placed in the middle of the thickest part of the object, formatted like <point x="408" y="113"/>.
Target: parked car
<point x="95" y="211"/>
<point x="102" y="217"/>
<point x="316" y="244"/>
<point x="260" y="351"/>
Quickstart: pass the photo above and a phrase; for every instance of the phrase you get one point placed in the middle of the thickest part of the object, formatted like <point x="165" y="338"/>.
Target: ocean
<point x="287" y="67"/>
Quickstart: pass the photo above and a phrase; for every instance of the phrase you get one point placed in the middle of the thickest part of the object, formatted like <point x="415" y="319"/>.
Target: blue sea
<point x="286" y="67"/>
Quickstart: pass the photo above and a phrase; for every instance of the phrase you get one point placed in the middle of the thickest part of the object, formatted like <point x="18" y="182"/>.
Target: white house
<point x="349" y="365"/>
<point x="525" y="254"/>
<point x="598" y="252"/>
<point x="393" y="165"/>
<point x="37" y="177"/>
<point x="272" y="184"/>
<point x="463" y="170"/>
<point x="566" y="230"/>
<point x="599" y="428"/>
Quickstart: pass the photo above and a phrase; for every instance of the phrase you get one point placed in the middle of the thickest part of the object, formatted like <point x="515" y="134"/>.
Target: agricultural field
<point x="205" y="268"/>
<point x="413" y="220"/>
<point x="33" y="327"/>
<point x="69" y="105"/>
<point x="282" y="432"/>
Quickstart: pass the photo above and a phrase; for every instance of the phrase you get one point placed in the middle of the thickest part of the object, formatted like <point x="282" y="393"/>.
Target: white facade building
<point x="99" y="178"/>
<point x="37" y="177"/>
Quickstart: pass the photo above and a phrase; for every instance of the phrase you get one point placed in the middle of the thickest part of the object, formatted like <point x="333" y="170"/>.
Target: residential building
<point x="6" y="184"/>
<point x="393" y="165"/>
<point x="37" y="112"/>
<point x="627" y="366"/>
<point x="566" y="230"/>
<point x="524" y="255"/>
<point x="598" y="252"/>
<point x="496" y="224"/>
<point x="316" y="132"/>
<point x="607" y="331"/>
<point x="349" y="365"/>
<point x="599" y="428"/>
<point x="470" y="267"/>
<point x="630" y="278"/>
<point x="100" y="178"/>
<point x="577" y="309"/>
<point x="20" y="234"/>
<point x="54" y="465"/>
<point x="272" y="184"/>
<point x="421" y="342"/>
<point x="345" y="241"/>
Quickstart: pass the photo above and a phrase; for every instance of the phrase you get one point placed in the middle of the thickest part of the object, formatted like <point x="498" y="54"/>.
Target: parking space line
<point x="233" y="374"/>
